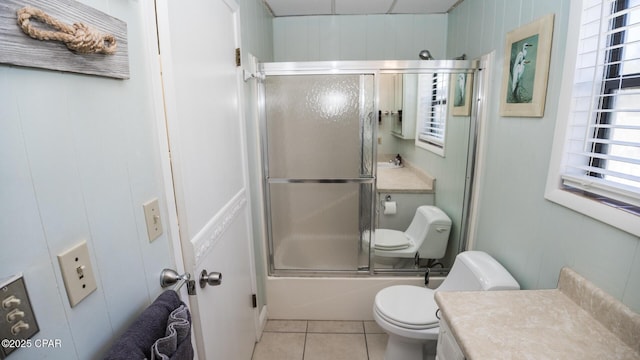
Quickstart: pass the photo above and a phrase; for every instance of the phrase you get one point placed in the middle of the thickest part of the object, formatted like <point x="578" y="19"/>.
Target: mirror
<point x="407" y="96"/>
<point x="416" y="122"/>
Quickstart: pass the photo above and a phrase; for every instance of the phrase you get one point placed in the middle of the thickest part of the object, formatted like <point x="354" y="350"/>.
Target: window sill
<point x="430" y="147"/>
<point x="625" y="219"/>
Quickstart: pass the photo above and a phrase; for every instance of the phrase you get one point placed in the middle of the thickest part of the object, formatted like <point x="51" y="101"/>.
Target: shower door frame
<point x="375" y="68"/>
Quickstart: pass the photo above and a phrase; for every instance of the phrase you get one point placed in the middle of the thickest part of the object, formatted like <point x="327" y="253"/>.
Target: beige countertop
<point x="542" y="324"/>
<point x="406" y="179"/>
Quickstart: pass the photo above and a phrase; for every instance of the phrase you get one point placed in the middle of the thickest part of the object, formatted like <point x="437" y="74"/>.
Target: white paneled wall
<point x="531" y="236"/>
<point x="79" y="156"/>
<point x="358" y="37"/>
<point x="257" y="30"/>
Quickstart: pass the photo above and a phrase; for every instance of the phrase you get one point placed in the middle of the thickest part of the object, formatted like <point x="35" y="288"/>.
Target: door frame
<point x="152" y="34"/>
<point x="481" y="93"/>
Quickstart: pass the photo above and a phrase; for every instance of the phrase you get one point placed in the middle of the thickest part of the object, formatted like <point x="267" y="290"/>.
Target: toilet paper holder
<point x="389" y="207"/>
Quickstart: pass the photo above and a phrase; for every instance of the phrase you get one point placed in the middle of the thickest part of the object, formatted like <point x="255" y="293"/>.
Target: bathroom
<point x="76" y="170"/>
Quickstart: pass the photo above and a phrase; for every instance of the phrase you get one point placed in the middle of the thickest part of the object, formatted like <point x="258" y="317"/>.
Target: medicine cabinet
<point x="398" y="103"/>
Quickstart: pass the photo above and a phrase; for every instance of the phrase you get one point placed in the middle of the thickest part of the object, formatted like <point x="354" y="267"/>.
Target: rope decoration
<point x="77" y="37"/>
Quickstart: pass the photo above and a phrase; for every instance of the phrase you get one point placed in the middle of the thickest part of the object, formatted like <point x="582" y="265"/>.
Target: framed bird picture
<point x="460" y="95"/>
<point x="526" y="69"/>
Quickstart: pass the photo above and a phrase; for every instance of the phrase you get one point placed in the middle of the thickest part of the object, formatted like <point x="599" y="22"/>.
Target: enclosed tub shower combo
<point x="319" y="131"/>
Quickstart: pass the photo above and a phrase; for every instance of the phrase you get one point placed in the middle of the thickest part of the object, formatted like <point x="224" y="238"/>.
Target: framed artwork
<point x="526" y="69"/>
<point x="461" y="93"/>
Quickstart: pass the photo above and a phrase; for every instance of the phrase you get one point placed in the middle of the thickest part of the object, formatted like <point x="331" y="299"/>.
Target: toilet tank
<point x="430" y="230"/>
<point x="477" y="271"/>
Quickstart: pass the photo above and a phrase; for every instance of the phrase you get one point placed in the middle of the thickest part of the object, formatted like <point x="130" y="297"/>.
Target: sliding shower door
<point x="319" y="171"/>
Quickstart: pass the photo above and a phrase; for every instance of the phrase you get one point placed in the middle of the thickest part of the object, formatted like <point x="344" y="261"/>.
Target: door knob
<point x="212" y="278"/>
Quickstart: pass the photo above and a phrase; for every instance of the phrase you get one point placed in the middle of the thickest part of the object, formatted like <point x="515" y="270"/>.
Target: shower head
<point x="425" y="55"/>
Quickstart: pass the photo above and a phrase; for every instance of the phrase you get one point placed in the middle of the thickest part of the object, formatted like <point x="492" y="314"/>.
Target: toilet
<point x="427" y="236"/>
<point x="408" y="313"/>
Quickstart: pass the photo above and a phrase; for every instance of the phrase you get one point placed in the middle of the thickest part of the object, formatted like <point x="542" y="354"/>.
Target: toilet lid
<point x="407" y="306"/>
<point x="391" y="240"/>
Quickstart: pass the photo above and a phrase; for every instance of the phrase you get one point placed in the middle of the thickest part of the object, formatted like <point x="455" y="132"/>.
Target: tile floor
<point x="321" y="340"/>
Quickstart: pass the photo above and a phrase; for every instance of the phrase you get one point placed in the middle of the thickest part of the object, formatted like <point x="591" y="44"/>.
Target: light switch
<point x="77" y="273"/>
<point x="17" y="320"/>
<point x="152" y="218"/>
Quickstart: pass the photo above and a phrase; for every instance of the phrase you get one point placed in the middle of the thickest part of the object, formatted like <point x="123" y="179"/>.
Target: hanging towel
<point x="176" y="345"/>
<point x="150" y="326"/>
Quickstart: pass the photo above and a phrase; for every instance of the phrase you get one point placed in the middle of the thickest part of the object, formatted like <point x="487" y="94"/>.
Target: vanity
<point x="575" y="321"/>
<point x="406" y="186"/>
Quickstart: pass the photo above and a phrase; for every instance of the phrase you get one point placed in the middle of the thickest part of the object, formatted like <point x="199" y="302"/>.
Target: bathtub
<point x="328" y="298"/>
<point x="321" y="297"/>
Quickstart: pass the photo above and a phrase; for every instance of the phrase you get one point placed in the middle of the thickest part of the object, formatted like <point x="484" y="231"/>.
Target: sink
<point x="388" y="165"/>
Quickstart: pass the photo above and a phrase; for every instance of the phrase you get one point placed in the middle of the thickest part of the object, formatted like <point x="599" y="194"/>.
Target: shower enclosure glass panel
<point x="314" y="126"/>
<point x="316" y="226"/>
<point x="319" y="170"/>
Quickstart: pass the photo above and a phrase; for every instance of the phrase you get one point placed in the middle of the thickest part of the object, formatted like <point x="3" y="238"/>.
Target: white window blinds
<point x="432" y="111"/>
<point x="603" y="146"/>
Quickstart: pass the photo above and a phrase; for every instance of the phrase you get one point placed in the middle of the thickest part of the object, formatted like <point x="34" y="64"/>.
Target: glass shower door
<point x="319" y="171"/>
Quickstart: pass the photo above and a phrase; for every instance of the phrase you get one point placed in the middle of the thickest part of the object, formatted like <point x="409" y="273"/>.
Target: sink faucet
<point x="398" y="160"/>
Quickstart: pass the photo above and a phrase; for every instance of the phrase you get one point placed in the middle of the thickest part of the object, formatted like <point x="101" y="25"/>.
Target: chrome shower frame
<point x="375" y="68"/>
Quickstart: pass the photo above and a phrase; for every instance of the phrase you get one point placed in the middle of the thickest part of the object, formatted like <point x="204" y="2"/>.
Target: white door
<point x="201" y="82"/>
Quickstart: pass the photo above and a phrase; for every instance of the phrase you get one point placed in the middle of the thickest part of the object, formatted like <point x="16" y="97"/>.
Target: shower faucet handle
<point x="210" y="278"/>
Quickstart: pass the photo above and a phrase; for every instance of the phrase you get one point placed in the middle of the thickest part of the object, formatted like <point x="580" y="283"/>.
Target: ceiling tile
<point x="299" y="7"/>
<point x="362" y="6"/>
<point x="423" y="6"/>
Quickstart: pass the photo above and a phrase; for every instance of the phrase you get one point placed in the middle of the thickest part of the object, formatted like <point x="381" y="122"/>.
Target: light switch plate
<point x="77" y="273"/>
<point x="152" y="218"/>
<point x="17" y="320"/>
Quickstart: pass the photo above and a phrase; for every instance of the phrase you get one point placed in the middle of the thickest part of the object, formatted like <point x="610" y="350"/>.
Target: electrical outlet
<point x="152" y="218"/>
<point x="77" y="273"/>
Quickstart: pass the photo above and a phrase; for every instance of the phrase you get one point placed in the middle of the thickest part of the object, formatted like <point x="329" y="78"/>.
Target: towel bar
<point x="170" y="277"/>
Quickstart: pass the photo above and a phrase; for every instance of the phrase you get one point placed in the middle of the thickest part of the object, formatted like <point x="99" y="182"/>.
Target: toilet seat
<point x="407" y="306"/>
<point x="389" y="240"/>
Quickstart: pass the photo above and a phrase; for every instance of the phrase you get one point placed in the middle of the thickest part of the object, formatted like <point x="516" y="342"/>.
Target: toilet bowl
<point x="408" y="313"/>
<point x="427" y="237"/>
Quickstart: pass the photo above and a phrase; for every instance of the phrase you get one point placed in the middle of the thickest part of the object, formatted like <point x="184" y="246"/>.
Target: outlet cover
<point x="152" y="218"/>
<point x="77" y="273"/>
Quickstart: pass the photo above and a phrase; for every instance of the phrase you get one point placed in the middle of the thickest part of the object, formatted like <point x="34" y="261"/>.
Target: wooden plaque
<point x="18" y="48"/>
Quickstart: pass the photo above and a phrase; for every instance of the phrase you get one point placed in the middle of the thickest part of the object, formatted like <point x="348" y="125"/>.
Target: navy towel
<point x="150" y="326"/>
<point x="176" y="344"/>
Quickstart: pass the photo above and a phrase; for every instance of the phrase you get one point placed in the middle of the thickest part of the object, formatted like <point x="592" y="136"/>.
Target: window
<point x="596" y="154"/>
<point x="432" y="112"/>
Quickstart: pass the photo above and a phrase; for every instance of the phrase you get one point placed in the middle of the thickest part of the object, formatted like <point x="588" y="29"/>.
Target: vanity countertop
<point x="575" y="321"/>
<point x="404" y="180"/>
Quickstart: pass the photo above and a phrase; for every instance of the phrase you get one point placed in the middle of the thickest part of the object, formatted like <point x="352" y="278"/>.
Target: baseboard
<point x="262" y="322"/>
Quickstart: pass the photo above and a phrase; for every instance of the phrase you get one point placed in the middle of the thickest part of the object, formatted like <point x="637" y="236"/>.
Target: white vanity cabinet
<point x="447" y="348"/>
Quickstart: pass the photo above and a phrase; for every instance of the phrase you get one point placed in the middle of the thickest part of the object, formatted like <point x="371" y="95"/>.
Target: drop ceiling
<point x="358" y="7"/>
